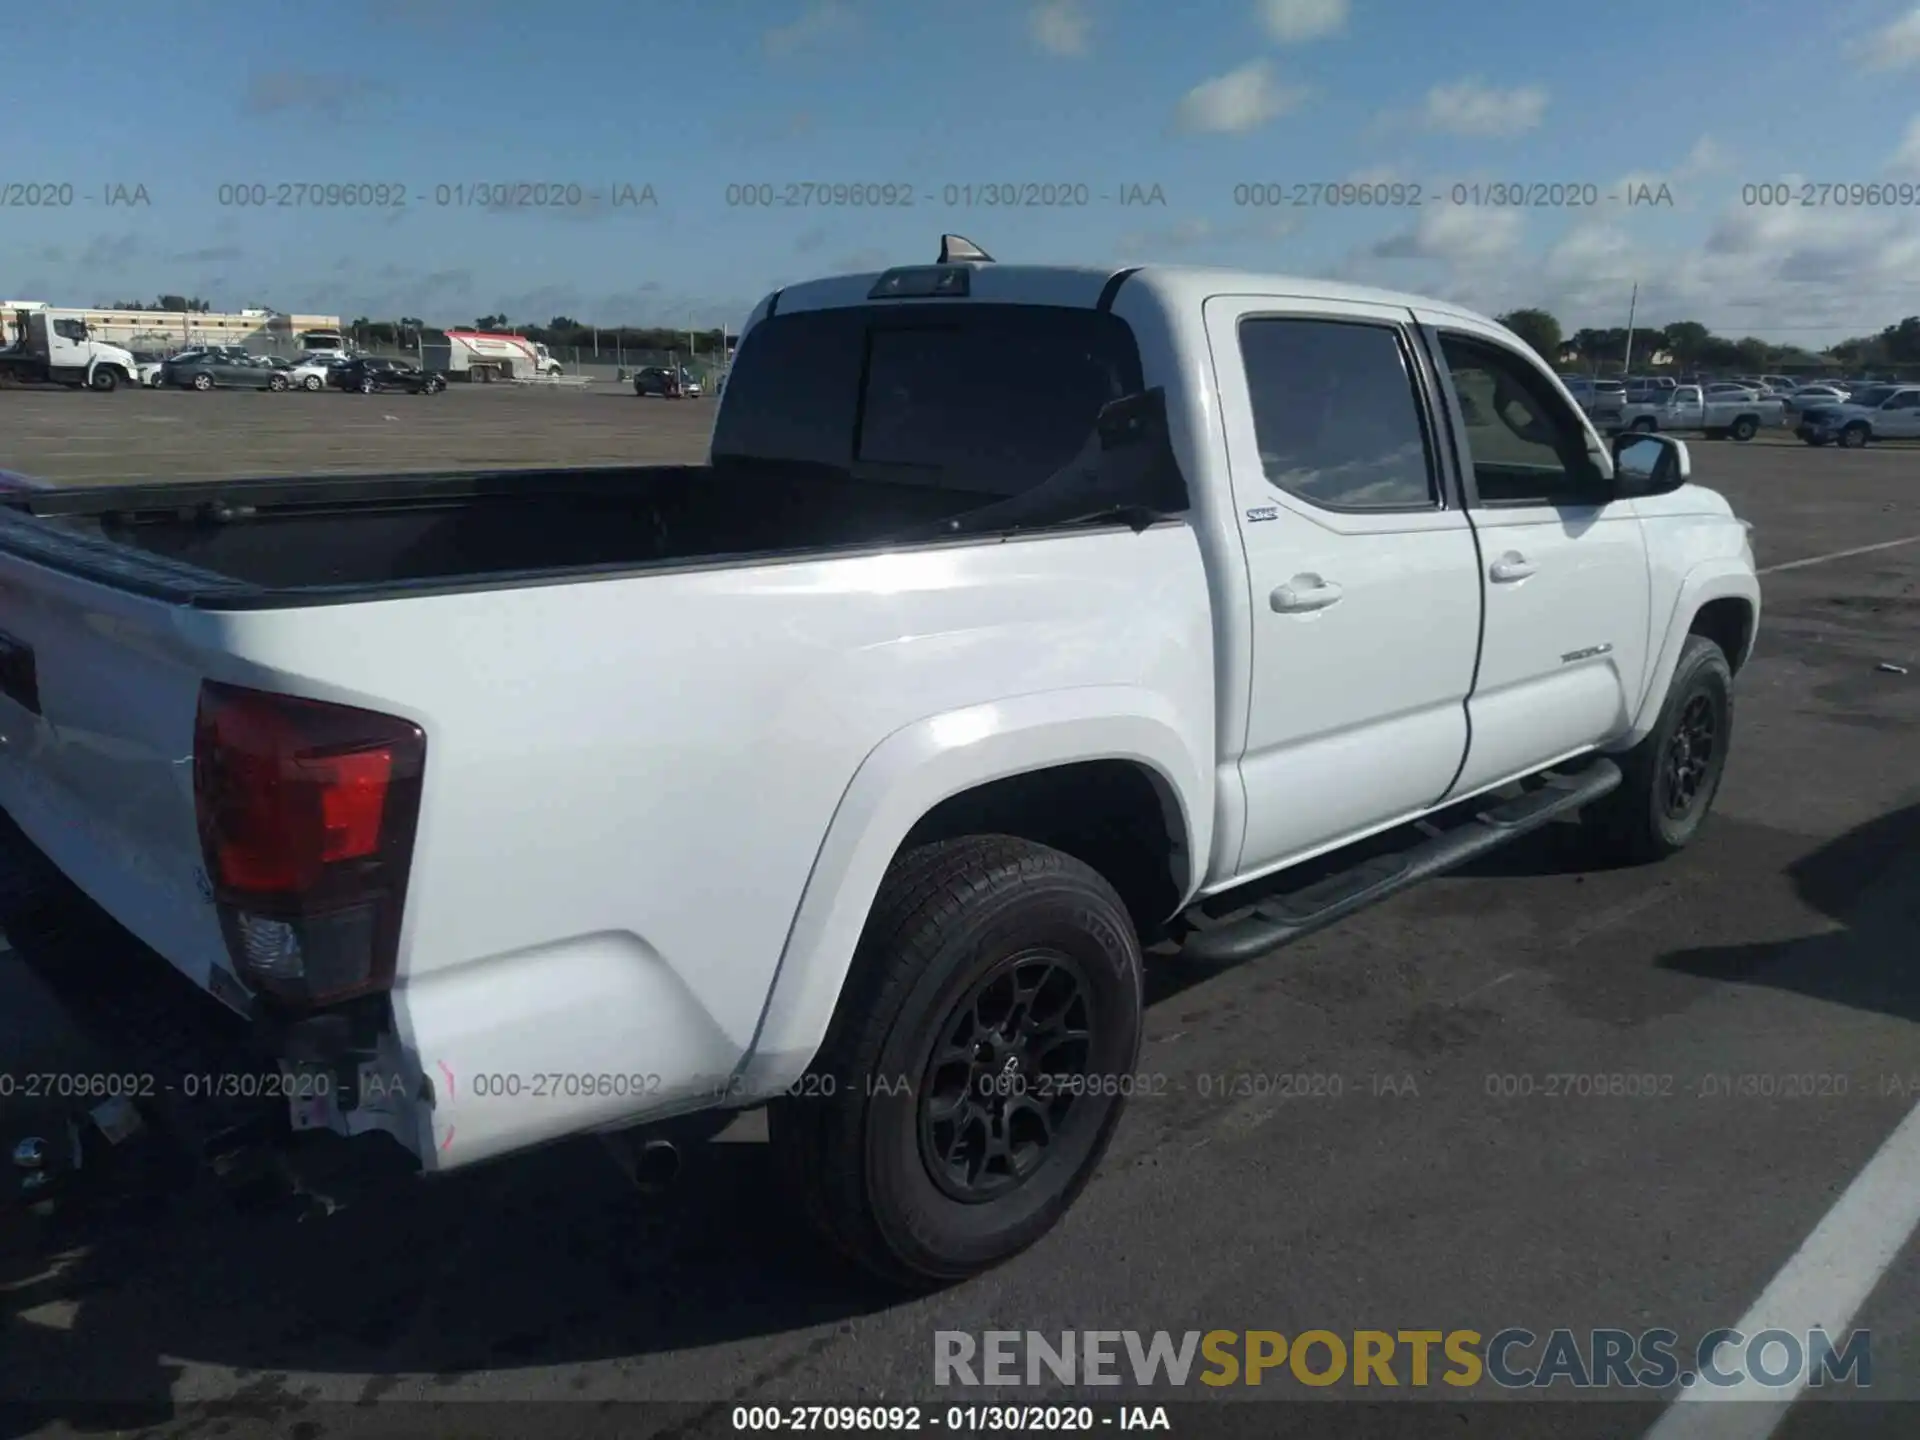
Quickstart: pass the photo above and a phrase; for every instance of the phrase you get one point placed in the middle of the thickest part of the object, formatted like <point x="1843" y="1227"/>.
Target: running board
<point x="1284" y="918"/>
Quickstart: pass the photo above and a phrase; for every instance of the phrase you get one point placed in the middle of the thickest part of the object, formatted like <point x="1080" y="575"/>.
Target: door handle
<point x="1510" y="567"/>
<point x="1305" y="592"/>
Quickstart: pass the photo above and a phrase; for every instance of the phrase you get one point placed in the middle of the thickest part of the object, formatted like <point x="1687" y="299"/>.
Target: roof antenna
<point x="955" y="249"/>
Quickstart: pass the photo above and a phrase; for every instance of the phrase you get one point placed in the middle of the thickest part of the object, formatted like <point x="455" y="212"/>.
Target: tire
<point x="105" y="379"/>
<point x="1645" y="819"/>
<point x="203" y="381"/>
<point x="1814" y="440"/>
<point x="958" y="929"/>
<point x="367" y="387"/>
<point x="276" y="383"/>
<point x="312" y="382"/>
<point x="1646" y="425"/>
<point x="430" y="387"/>
<point x="1854" y="437"/>
<point x="1745" y="428"/>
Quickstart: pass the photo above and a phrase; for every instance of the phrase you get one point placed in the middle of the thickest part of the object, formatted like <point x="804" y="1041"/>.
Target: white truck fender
<point x="909" y="773"/>
<point x="1726" y="577"/>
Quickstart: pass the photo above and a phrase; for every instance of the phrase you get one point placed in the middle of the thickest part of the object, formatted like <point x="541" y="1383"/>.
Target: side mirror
<point x="1649" y="464"/>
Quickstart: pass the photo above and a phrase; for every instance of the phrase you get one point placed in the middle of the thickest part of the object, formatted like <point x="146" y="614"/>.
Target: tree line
<point x="1686" y="345"/>
<point x="170" y="304"/>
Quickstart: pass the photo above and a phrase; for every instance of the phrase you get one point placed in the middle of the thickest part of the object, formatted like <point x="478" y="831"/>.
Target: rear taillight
<point x="307" y="813"/>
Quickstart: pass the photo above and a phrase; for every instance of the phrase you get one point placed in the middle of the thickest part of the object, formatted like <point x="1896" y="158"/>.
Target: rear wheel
<point x="1669" y="780"/>
<point x="367" y="387"/>
<point x="1745" y="428"/>
<point x="976" y="1066"/>
<point x="203" y="381"/>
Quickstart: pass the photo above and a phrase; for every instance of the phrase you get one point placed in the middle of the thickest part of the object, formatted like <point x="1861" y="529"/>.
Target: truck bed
<point x="278" y="541"/>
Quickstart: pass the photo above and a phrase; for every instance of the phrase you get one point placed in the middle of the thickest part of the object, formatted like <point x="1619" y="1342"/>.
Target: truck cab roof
<point x="1178" y="286"/>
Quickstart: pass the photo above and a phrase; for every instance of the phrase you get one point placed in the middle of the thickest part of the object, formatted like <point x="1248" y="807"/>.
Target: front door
<point x="1565" y="651"/>
<point x="1365" y="588"/>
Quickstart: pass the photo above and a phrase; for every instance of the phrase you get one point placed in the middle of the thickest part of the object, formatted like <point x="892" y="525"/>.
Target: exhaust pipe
<point x="657" y="1166"/>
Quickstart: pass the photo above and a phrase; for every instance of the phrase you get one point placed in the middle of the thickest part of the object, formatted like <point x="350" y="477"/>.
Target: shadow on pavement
<point x="1870" y="963"/>
<point x="548" y="1259"/>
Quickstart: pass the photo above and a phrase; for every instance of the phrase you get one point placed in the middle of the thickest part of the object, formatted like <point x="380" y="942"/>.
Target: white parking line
<point x="1837" y="555"/>
<point x="1824" y="1285"/>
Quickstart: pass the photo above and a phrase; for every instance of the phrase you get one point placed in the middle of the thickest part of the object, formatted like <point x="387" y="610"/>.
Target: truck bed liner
<point x="262" y="543"/>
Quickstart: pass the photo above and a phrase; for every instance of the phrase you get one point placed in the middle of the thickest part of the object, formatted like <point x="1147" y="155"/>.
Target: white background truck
<point x="1689" y="408"/>
<point x="1874" y="412"/>
<point x="850" y="772"/>
<point x="55" y="347"/>
<point x="476" y="355"/>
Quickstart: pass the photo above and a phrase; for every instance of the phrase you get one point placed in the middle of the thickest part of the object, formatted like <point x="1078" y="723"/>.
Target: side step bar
<point x="1274" y="922"/>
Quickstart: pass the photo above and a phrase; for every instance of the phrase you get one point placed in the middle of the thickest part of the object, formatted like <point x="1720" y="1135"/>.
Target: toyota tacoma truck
<point x="850" y="772"/>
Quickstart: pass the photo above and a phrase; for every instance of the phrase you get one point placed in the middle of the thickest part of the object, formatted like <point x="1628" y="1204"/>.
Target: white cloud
<point x="1293" y="22"/>
<point x="1906" y="160"/>
<point x="1454" y="234"/>
<point x="821" y="20"/>
<point x="1060" y="27"/>
<point x="1894" y="47"/>
<point x="1705" y="158"/>
<point x="1239" y="100"/>
<point x="1472" y="108"/>
<point x="1789" y="274"/>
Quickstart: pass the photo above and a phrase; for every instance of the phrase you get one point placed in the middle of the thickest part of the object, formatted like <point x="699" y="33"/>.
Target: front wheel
<point x="1854" y="437"/>
<point x="277" y="382"/>
<point x="978" y="1062"/>
<point x="105" y="378"/>
<point x="1646" y="425"/>
<point x="312" y="382"/>
<point x="431" y="387"/>
<point x="1669" y="780"/>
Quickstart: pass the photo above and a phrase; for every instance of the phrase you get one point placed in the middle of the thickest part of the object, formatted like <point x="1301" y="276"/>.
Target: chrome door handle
<point x="1510" y="567"/>
<point x="1305" y="592"/>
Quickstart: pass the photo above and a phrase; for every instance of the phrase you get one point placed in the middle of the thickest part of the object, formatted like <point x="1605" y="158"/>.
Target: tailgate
<point x="98" y="693"/>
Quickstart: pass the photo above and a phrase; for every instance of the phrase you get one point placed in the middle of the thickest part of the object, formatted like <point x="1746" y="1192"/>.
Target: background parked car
<point x="210" y="370"/>
<point x="310" y="372"/>
<point x="665" y="381"/>
<point x="1877" y="412"/>
<point x="371" y="374"/>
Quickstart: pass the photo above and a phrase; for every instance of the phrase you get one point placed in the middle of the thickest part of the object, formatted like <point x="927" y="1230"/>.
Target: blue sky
<point x="1196" y="99"/>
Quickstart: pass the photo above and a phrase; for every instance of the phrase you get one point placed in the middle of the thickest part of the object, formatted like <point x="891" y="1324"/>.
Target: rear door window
<point x="992" y="399"/>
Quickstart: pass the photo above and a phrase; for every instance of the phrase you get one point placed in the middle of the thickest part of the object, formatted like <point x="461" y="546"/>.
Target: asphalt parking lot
<point x="80" y="438"/>
<point x="1767" y="975"/>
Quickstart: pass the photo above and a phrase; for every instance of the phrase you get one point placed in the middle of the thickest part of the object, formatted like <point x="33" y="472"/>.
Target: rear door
<point x="1567" y="581"/>
<point x="1365" y="585"/>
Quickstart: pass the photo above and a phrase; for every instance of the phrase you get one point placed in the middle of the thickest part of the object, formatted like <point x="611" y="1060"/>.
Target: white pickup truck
<point x="1737" y="414"/>
<point x="851" y="771"/>
<point x="1873" y="412"/>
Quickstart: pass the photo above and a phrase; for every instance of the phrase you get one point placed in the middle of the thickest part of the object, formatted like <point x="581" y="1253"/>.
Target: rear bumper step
<point x="1278" y="920"/>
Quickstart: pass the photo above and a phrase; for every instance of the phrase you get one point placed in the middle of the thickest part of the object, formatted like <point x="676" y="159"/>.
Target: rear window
<point x="980" y="397"/>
